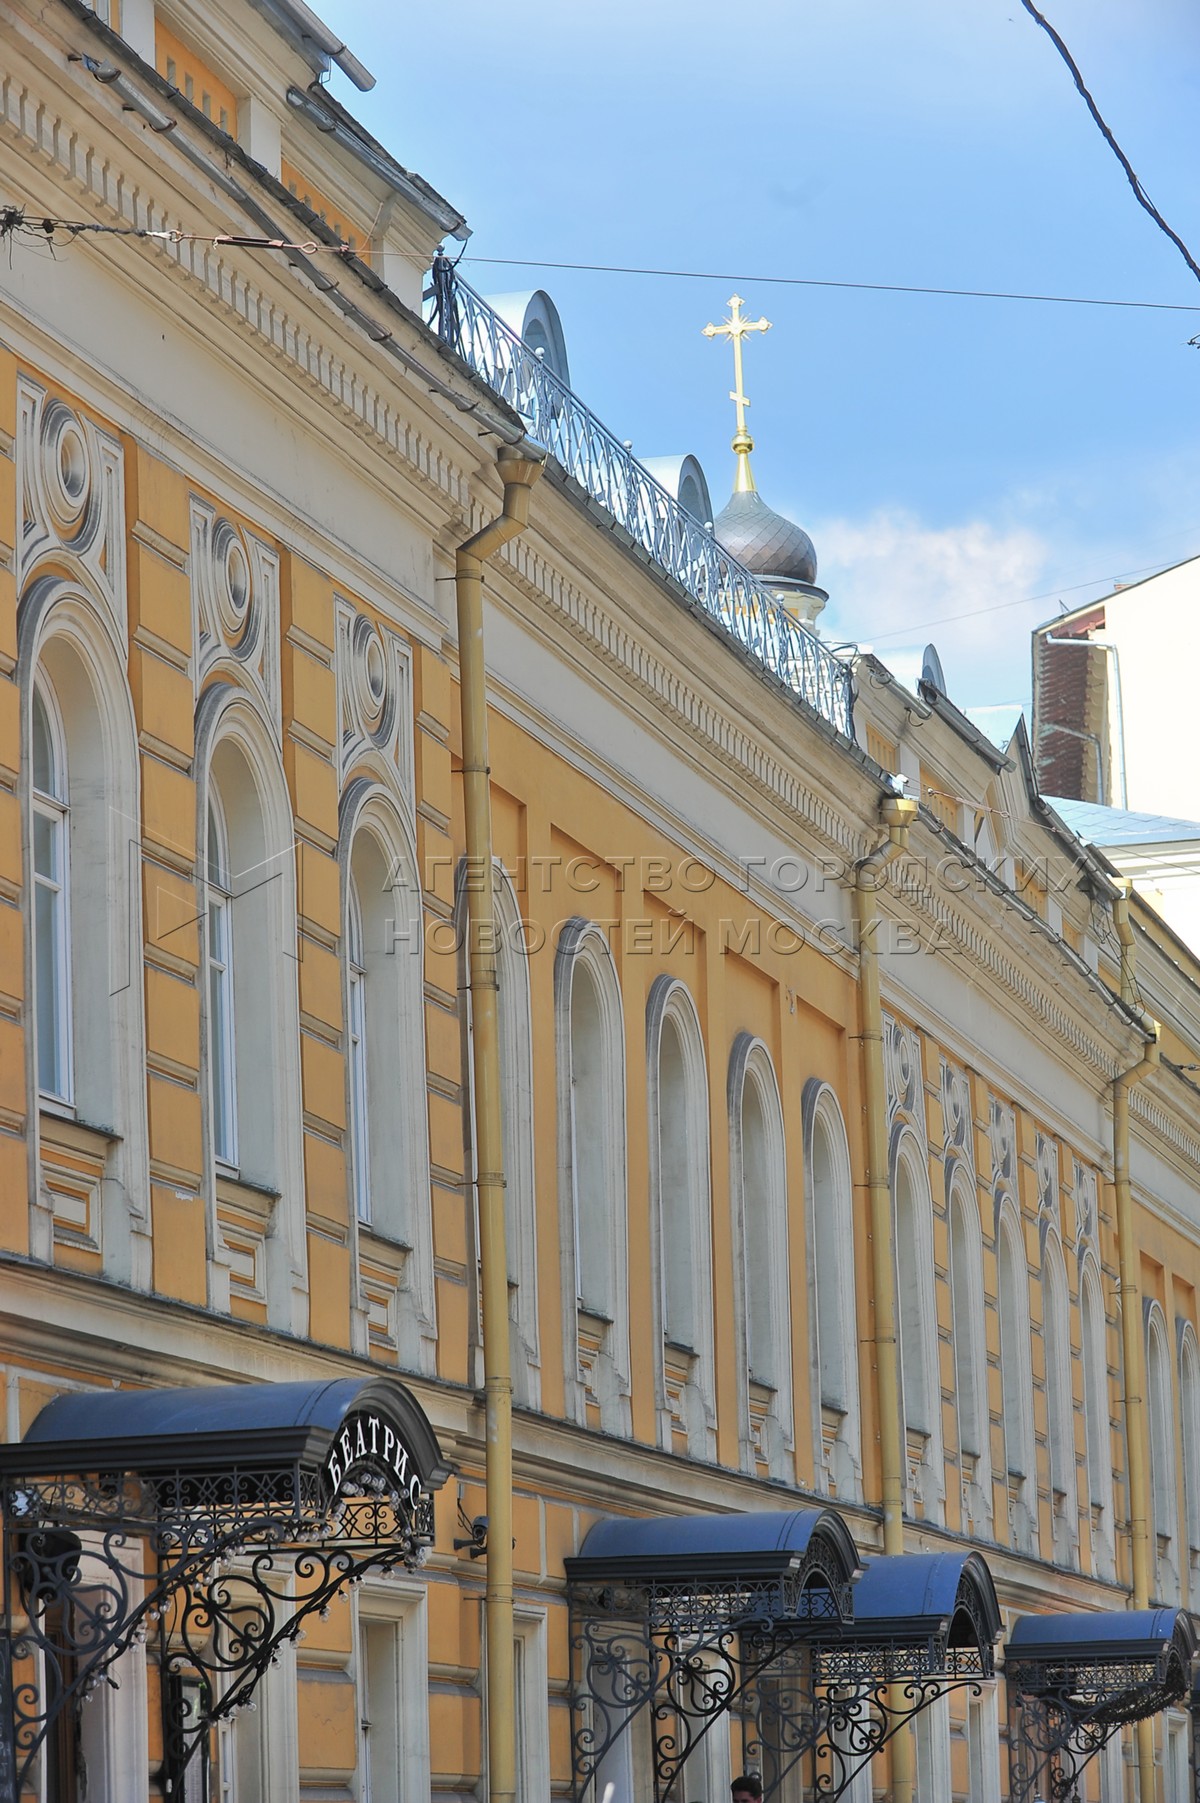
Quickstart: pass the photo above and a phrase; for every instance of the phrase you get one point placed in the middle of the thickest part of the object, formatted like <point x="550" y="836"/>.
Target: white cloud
<point x="895" y="582"/>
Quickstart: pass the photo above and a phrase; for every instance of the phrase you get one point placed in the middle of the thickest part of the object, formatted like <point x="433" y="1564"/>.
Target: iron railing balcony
<point x="584" y="447"/>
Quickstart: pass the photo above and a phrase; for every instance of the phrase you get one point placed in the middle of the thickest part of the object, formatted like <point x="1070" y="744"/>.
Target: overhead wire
<point x="804" y="281"/>
<point x="1022" y="601"/>
<point x="16" y="221"/>
<point x="1140" y="194"/>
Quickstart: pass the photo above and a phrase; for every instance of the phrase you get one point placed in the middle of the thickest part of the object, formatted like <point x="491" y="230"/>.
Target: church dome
<point x="771" y="547"/>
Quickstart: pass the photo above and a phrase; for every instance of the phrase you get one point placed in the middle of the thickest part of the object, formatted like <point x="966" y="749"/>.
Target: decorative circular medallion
<point x="231" y="582"/>
<point x="369" y="677"/>
<point x="66" y="469"/>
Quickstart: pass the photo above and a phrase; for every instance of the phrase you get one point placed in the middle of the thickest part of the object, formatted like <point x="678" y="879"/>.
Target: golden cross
<point x="736" y="328"/>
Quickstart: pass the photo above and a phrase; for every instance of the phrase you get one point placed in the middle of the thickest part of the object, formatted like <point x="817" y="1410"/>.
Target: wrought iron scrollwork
<point x="641" y="1651"/>
<point x="608" y="472"/>
<point x="1063" y="1713"/>
<point x="217" y="1571"/>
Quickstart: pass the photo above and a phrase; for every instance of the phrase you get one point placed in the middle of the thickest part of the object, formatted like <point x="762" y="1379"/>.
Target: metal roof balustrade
<point x="602" y="466"/>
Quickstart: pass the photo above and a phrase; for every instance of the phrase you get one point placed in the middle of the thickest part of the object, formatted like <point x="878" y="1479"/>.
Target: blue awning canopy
<point x="671" y="1548"/>
<point x="1110" y="1667"/>
<point x="787" y="1565"/>
<point x="948" y="1597"/>
<point x="217" y="1427"/>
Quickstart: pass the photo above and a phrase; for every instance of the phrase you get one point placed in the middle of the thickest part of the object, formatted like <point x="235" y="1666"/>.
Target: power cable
<point x="1024" y="601"/>
<point x="14" y="221"/>
<point x="802" y="281"/>
<point x="1131" y="176"/>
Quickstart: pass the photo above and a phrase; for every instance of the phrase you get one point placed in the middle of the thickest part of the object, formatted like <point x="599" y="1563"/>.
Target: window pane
<point x="47" y="978"/>
<point x="45" y="845"/>
<point x="43" y="749"/>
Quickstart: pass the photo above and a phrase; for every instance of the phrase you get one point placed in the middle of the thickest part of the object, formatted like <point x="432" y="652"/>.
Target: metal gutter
<point x="302" y="27"/>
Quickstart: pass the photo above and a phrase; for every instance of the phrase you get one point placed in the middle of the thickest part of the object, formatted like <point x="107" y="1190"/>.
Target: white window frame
<point x="687" y="1209"/>
<point x="751" y="1066"/>
<point x="377" y="860"/>
<point x="582" y="947"/>
<point x="917" y="1321"/>
<point x="356" y="1053"/>
<point x="402" y="1607"/>
<point x="1189" y="1416"/>
<point x="112" y="1731"/>
<point x="1059" y="1364"/>
<point x="514" y="1018"/>
<point x="983" y="1744"/>
<point x="218" y="942"/>
<point x="273" y="1728"/>
<point x="969" y="1324"/>
<point x="1164" y="1469"/>
<point x="1016" y="1371"/>
<point x="831" y="1266"/>
<point x="1097" y="1414"/>
<point x="931" y="1732"/>
<point x="53" y="806"/>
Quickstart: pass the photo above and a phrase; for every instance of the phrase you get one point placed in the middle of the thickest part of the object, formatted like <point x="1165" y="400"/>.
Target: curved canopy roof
<point x="1111" y="1667"/>
<point x="921" y="1594"/>
<point x="218" y="1425"/>
<point x="673" y="1548"/>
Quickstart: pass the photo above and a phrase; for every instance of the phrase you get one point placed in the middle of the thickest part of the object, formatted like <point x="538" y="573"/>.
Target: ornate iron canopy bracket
<point x="677" y="1617"/>
<point x="1076" y="1680"/>
<point x="130" y="1537"/>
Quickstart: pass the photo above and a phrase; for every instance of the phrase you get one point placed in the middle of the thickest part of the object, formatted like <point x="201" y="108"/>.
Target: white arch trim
<point x="64" y="619"/>
<point x="1097" y="1417"/>
<point x="582" y="946"/>
<point x="831" y="1285"/>
<point x="1060" y="1396"/>
<point x="969" y="1323"/>
<point x="393" y="921"/>
<point x="916" y="1292"/>
<point x="670" y="1002"/>
<point x="233" y="716"/>
<point x="751" y="1067"/>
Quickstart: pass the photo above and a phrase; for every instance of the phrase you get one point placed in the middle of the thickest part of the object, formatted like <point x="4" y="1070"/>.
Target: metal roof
<point x="674" y="1548"/>
<point x="1132" y="1634"/>
<point x="923" y="1594"/>
<point x="1104" y="826"/>
<point x="219" y="1424"/>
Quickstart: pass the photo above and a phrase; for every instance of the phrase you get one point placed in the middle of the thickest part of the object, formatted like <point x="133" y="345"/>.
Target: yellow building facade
<point x="236" y="1117"/>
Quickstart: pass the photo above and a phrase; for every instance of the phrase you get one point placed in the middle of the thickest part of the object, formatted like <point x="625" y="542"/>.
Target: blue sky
<point x="949" y="457"/>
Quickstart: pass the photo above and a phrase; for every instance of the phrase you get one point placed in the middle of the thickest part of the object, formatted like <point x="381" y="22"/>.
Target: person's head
<point x="746" y="1789"/>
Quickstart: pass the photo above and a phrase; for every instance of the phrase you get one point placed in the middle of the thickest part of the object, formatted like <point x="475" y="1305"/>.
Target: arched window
<point x="1060" y="1401"/>
<point x="83" y="900"/>
<point x="222" y="1066"/>
<point x="1016" y="1380"/>
<point x="516" y="1110"/>
<point x="592" y="1168"/>
<point x="52" y="899"/>
<point x="759" y="1179"/>
<point x="1163" y="1485"/>
<point x="831" y="1293"/>
<point x="1096" y="1418"/>
<point x="515" y="1031"/>
<point x="356" y="1055"/>
<point x="680" y="1221"/>
<point x="1189" y="1411"/>
<point x="386" y="1103"/>
<point x="970" y="1352"/>
<point x="251" y="1038"/>
<point x="917" y="1325"/>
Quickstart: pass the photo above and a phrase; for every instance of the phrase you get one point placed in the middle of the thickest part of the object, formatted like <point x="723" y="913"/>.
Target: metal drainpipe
<point x="1132" y="1347"/>
<point x="896" y="813"/>
<point x="519" y="473"/>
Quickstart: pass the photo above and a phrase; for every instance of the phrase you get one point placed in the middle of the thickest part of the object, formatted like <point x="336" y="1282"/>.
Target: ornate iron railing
<point x="557" y="419"/>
